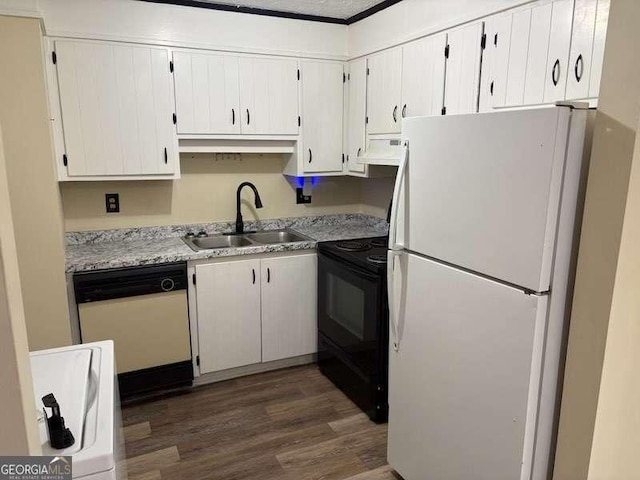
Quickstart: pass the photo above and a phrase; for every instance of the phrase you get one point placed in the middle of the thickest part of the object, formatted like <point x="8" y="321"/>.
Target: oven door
<point x="351" y="312"/>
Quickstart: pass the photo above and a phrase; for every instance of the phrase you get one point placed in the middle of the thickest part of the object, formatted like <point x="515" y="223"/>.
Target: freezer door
<point x="463" y="384"/>
<point x="483" y="191"/>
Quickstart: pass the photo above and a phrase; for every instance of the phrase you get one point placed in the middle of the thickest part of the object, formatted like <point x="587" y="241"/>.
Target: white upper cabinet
<point x="463" y="69"/>
<point x="384" y="86"/>
<point x="321" y="116"/>
<point x="207" y="93"/>
<point x="517" y="59"/>
<point x="116" y="105"/>
<point x="495" y="62"/>
<point x="597" y="56"/>
<point x="558" y="57"/>
<point x="268" y="96"/>
<point x="587" y="48"/>
<point x="537" y="57"/>
<point x="289" y="306"/>
<point x="356" y="114"/>
<point x="423" y="65"/>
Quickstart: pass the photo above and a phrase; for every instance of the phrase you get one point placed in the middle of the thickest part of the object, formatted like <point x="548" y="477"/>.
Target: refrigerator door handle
<point x="393" y="226"/>
<point x="393" y="314"/>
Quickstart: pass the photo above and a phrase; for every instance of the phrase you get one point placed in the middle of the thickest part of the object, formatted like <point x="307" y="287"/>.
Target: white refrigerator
<point x="482" y="250"/>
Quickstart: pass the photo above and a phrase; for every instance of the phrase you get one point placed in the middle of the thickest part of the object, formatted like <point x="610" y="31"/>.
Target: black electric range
<point x="353" y="320"/>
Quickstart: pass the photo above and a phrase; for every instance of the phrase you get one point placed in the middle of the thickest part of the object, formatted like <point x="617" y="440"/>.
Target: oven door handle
<point x="394" y="313"/>
<point x="393" y="227"/>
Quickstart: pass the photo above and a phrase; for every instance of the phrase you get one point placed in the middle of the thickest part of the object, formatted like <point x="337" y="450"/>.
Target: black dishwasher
<point x="144" y="311"/>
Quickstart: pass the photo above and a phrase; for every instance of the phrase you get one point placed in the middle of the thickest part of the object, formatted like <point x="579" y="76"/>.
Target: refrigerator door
<point x="463" y="384"/>
<point x="482" y="191"/>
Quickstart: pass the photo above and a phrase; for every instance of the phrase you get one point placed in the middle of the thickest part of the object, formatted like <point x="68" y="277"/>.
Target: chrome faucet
<point x="239" y="222"/>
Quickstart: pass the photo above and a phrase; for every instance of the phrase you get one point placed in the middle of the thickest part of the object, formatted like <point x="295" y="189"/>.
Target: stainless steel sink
<point x="217" y="241"/>
<point x="267" y="237"/>
<point x="276" y="236"/>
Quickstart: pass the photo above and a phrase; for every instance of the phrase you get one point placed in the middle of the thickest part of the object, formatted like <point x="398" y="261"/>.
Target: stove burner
<point x="379" y="242"/>
<point x="377" y="258"/>
<point x="353" y="246"/>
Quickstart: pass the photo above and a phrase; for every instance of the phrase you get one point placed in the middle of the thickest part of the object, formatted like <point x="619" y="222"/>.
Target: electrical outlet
<point x="301" y="197"/>
<point x="112" y="202"/>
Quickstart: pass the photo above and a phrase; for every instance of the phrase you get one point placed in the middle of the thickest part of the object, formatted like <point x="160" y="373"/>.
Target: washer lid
<point x="66" y="375"/>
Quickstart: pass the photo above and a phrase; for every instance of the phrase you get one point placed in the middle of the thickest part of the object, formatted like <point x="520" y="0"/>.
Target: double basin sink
<point x="267" y="237"/>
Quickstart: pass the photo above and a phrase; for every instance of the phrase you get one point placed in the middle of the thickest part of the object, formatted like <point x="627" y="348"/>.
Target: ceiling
<point x="333" y="9"/>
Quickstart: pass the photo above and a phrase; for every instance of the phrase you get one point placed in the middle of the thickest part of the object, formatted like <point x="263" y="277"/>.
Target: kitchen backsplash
<point x="206" y="193"/>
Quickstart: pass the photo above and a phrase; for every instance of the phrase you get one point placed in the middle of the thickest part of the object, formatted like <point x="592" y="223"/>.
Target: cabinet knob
<point x="579" y="68"/>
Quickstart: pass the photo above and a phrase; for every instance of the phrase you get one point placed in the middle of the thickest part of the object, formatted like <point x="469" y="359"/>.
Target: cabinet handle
<point x="555" y="73"/>
<point x="310" y="155"/>
<point x="358" y="153"/>
<point x="248" y="117"/>
<point x="166" y="157"/>
<point x="395" y="113"/>
<point x="268" y="275"/>
<point x="233" y="116"/>
<point x="579" y="72"/>
<point x="253" y="271"/>
<point x="404" y="110"/>
<point x="491" y="88"/>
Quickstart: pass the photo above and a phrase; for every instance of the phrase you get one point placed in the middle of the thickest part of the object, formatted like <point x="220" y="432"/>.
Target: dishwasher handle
<point x="129" y="282"/>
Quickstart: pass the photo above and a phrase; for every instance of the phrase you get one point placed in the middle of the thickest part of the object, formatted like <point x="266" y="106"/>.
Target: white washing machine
<point x="83" y="380"/>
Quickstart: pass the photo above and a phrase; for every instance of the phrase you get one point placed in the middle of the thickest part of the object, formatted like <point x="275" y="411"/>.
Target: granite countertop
<point x="105" y="249"/>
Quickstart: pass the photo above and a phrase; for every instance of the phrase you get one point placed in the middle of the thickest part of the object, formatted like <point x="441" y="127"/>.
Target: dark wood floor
<point x="290" y="424"/>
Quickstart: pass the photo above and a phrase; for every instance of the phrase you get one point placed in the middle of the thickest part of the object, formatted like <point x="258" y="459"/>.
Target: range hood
<point x="385" y="150"/>
<point x="240" y="144"/>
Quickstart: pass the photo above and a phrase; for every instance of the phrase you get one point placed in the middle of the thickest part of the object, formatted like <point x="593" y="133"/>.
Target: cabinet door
<point x="423" y="76"/>
<point x="117" y="109"/>
<point x="538" y="52"/>
<point x="356" y="114"/>
<point x="558" y="58"/>
<point x="207" y="93"/>
<point x="463" y="69"/>
<point x="289" y="306"/>
<point x="269" y="96"/>
<point x="495" y="62"/>
<point x="322" y="113"/>
<point x="584" y="22"/>
<point x="228" y="304"/>
<point x="384" y="91"/>
<point x="600" y="33"/>
<point x="518" y="54"/>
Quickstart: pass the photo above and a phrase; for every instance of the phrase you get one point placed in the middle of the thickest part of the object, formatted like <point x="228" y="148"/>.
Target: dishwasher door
<point x="147" y="330"/>
<point x="144" y="310"/>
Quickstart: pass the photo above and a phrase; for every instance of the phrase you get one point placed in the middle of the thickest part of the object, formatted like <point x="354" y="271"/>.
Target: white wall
<point x="411" y="19"/>
<point x="17" y="403"/>
<point x="155" y="23"/>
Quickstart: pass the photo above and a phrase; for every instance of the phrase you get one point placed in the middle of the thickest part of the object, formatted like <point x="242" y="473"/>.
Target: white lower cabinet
<point x="251" y="310"/>
<point x="228" y="309"/>
<point x="289" y="304"/>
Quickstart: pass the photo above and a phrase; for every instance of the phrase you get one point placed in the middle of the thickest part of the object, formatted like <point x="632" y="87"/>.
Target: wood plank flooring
<point x="290" y="424"/>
